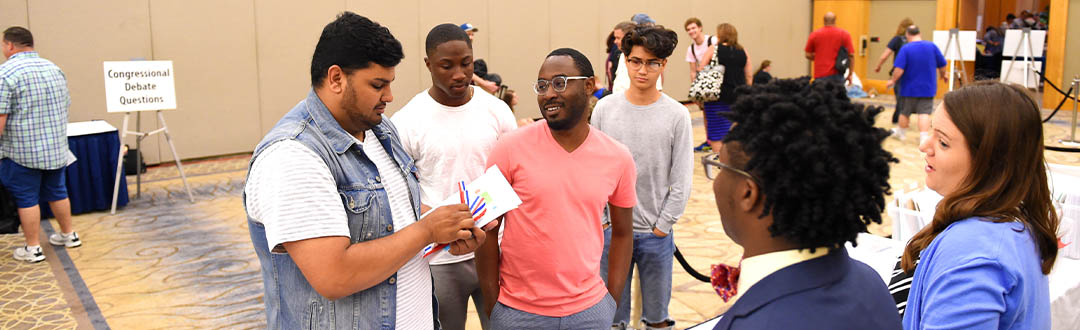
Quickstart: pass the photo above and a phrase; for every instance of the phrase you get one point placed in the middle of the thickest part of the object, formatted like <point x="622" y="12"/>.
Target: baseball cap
<point x="642" y="18"/>
<point x="468" y="27"/>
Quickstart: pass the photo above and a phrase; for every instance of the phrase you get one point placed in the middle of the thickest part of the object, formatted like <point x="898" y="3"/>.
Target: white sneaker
<point x="71" y="240"/>
<point x="24" y="254"/>
<point x="897" y="134"/>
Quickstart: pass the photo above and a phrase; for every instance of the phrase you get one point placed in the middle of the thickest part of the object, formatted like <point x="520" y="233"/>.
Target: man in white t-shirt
<point x="695" y="52"/>
<point x="333" y="202"/>
<point x="449" y="129"/>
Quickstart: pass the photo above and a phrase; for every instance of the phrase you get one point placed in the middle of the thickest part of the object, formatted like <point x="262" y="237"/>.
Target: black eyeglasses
<point x="635" y="64"/>
<point x="557" y="83"/>
<point x="713" y="165"/>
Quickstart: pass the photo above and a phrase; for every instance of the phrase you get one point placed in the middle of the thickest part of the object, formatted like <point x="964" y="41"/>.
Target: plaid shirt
<point x="34" y="95"/>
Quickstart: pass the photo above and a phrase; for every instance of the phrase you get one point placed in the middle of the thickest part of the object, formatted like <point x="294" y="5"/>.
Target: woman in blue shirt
<point x="983" y="260"/>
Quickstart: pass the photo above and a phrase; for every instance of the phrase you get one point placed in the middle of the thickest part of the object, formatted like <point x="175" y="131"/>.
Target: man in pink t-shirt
<point x="545" y="273"/>
<point x="822" y="47"/>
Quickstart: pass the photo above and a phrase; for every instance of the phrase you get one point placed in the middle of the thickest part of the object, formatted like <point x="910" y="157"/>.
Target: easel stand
<point x="138" y="146"/>
<point x="1025" y="39"/>
<point x="1072" y="142"/>
<point x="954" y="41"/>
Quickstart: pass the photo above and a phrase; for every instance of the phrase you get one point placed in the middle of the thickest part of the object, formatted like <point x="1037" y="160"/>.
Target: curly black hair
<point x="817" y="156"/>
<point x="353" y="42"/>
<point x="656" y="39"/>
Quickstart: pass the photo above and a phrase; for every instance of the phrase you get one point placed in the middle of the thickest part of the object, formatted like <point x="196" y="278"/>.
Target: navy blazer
<point x="828" y="292"/>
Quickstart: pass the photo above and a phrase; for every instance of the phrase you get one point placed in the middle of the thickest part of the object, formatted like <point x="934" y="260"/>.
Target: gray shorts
<point x="917" y="105"/>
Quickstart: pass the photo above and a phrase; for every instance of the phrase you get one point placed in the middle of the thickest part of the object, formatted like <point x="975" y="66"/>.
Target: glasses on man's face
<point x="557" y="83"/>
<point x="713" y="165"/>
<point x="635" y="64"/>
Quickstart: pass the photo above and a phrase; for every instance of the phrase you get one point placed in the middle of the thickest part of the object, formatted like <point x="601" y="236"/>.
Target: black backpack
<point x="843" y="60"/>
<point x="9" y="214"/>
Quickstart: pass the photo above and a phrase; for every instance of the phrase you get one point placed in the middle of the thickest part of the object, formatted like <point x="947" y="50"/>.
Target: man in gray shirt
<point x="656" y="129"/>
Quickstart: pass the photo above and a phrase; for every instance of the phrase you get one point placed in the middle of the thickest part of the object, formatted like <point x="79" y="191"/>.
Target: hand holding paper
<point x="488" y="197"/>
<point x="447" y="223"/>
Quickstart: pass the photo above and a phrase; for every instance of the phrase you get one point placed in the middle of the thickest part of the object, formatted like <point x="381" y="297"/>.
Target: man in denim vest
<point x="333" y="202"/>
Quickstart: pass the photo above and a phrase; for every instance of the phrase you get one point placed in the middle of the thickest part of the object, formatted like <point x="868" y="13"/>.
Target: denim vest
<point x="291" y="302"/>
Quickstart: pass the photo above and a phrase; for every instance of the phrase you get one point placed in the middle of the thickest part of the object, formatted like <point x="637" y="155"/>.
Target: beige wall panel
<point x="245" y="63"/>
<point x="13" y="13"/>
<point x="577" y="29"/>
<point x="885" y="16"/>
<point x="79" y="35"/>
<point x="1072" y="45"/>
<point x="212" y="46"/>
<point x="765" y="31"/>
<point x="522" y="30"/>
<point x="671" y="14"/>
<point x="402" y="20"/>
<point x="286" y="33"/>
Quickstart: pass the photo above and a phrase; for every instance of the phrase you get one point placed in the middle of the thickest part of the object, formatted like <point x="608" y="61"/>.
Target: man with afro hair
<point x="801" y="173"/>
<point x="656" y="128"/>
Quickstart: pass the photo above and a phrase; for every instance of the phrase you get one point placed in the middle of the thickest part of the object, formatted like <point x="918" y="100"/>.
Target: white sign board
<point x="139" y="86"/>
<point x="966" y="50"/>
<point x="1012" y="39"/>
<point x="1017" y="75"/>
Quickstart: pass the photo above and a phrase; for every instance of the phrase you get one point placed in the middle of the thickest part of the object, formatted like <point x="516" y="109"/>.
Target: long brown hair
<point x="1003" y="129"/>
<point x="904" y="24"/>
<point x="726" y="34"/>
<point x="764" y="64"/>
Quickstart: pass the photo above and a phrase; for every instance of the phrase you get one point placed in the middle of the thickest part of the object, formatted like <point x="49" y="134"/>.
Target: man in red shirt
<point x="822" y="47"/>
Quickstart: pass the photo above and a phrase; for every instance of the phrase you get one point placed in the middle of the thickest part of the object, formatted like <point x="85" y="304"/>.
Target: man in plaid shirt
<point x="33" y="140"/>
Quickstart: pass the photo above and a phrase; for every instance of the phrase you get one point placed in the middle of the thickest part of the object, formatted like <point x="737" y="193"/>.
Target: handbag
<point x="706" y="86"/>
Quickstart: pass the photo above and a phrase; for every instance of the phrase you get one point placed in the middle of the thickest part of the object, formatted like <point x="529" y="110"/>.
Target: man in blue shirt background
<point x="916" y="64"/>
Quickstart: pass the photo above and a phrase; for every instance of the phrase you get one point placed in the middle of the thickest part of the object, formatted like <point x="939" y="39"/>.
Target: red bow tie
<point x="725" y="280"/>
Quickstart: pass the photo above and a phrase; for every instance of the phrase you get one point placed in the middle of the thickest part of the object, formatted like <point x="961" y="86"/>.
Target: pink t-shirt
<point x="551" y="247"/>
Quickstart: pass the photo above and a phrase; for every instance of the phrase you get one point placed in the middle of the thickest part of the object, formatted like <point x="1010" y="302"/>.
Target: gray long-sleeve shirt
<point x="660" y="138"/>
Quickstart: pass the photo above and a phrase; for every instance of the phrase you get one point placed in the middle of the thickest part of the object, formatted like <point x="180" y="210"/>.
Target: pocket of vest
<point x="357" y="201"/>
<point x="313" y="317"/>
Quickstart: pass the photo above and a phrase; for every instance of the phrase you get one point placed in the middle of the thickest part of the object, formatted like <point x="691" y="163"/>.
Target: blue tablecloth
<point x="91" y="177"/>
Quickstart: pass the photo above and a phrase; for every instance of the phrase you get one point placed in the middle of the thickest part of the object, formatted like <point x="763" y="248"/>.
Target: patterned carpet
<point x="163" y="262"/>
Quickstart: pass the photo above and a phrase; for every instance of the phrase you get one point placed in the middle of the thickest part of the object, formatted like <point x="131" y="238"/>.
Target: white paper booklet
<point x="489" y="197"/>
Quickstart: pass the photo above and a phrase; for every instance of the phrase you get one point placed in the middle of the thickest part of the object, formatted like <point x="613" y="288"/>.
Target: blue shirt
<point x="34" y="95"/>
<point x="979" y="274"/>
<point x="920" y="61"/>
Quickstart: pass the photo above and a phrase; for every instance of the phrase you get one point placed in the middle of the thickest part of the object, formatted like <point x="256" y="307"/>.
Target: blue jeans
<point x="592" y="318"/>
<point x="653" y="256"/>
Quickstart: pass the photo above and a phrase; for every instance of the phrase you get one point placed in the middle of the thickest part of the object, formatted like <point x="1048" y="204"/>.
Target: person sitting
<point x="762" y="75"/>
<point x="982" y="261"/>
<point x="791" y="191"/>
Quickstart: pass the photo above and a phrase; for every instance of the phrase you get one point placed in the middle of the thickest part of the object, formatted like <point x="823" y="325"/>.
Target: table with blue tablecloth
<point x="90" y="179"/>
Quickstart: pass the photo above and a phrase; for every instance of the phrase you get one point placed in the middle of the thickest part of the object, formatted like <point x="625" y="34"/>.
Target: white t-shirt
<point x="699" y="50"/>
<point x="451" y="144"/>
<point x="291" y="191"/>
<point x="622" y="78"/>
<point x="414" y="278"/>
